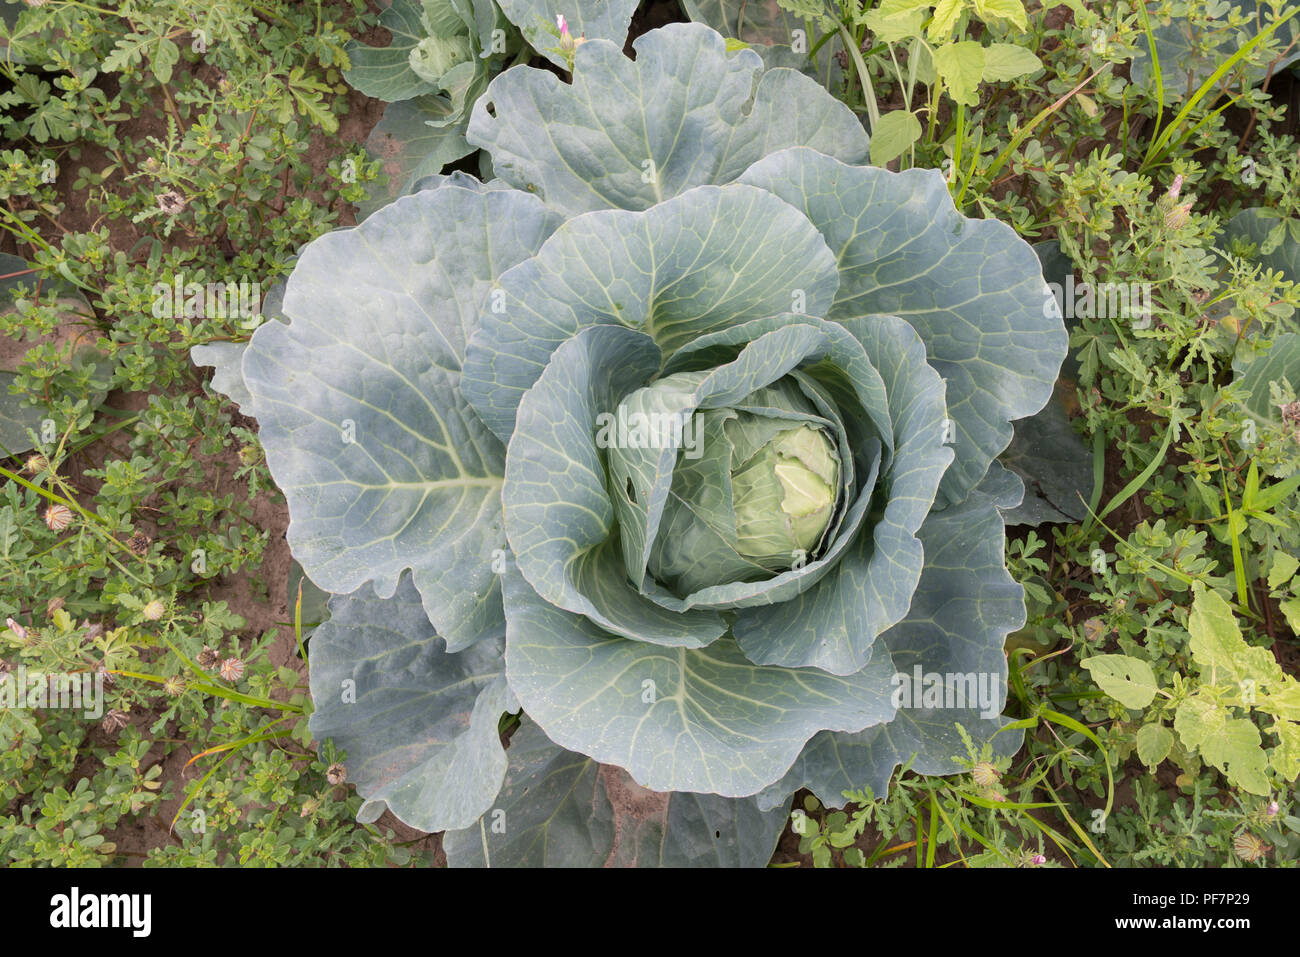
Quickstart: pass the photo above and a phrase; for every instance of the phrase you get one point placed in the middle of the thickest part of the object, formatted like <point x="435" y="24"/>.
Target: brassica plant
<point x="681" y="437"/>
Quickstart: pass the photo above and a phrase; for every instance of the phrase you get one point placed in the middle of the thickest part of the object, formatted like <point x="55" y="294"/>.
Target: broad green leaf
<point x="384" y="465"/>
<point x="1285" y="758"/>
<point x="1280" y="362"/>
<point x="896" y="27"/>
<point x="410" y="148"/>
<point x="419" y="725"/>
<point x="1197" y="720"/>
<point x="945" y="17"/>
<point x="1253" y="226"/>
<point x="780" y="36"/>
<point x="1284" y="566"/>
<point x="1012" y="10"/>
<point x="1055" y="465"/>
<point x="16" y="418"/>
<point x="385" y="72"/>
<point x="1216" y="642"/>
<point x="678" y="719"/>
<point x="1007" y="61"/>
<point x="896" y="131"/>
<point x="1235" y="750"/>
<point x="965" y="605"/>
<point x="870" y="586"/>
<point x="560" y="809"/>
<point x="687" y="114"/>
<point x="1291" y="609"/>
<point x="699" y="262"/>
<point x="558" y="511"/>
<point x="1128" y="680"/>
<point x="961" y="66"/>
<point x="593" y="19"/>
<point x="1153" y="743"/>
<point x="972" y="289"/>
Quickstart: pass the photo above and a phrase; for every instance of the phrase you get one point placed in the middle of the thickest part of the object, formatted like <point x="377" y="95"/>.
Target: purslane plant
<point x="679" y="436"/>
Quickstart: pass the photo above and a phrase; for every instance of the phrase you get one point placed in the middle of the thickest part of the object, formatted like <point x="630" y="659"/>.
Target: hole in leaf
<point x="631" y="491"/>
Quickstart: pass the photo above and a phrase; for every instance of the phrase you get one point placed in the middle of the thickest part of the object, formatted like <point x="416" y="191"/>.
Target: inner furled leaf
<point x="780" y="466"/>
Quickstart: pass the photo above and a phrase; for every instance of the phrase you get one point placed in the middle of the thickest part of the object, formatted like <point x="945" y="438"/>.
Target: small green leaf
<point x="1153" y="744"/>
<point x="1129" y="681"/>
<point x="892" y="135"/>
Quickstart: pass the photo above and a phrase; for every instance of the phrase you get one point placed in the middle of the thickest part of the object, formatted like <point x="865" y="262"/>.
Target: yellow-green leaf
<point x="1129" y="681"/>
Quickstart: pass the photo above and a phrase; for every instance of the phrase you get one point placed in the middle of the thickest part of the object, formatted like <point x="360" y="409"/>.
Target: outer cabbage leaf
<point x="560" y="809"/>
<point x="696" y="263"/>
<point x="385" y="72"/>
<point x="383" y="464"/>
<point x="628" y="134"/>
<point x="771" y="28"/>
<point x="593" y="19"/>
<point x="972" y="289"/>
<point x="964" y="607"/>
<point x="1179" y="45"/>
<point x="678" y="719"/>
<point x="419" y="725"/>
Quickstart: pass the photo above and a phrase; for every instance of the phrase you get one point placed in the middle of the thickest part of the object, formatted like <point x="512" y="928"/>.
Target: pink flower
<point x="232" y="669"/>
<point x="1177" y="188"/>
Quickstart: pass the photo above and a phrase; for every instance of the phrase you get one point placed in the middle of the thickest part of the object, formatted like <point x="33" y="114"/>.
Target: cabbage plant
<point x="679" y="438"/>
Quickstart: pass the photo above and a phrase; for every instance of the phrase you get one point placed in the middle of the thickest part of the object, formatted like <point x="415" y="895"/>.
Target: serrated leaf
<point x="1129" y="681"/>
<point x="961" y="65"/>
<point x="1284" y="567"/>
<point x="1216" y="642"/>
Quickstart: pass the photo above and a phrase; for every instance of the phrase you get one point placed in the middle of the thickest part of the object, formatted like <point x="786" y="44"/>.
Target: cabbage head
<point x="679" y="437"/>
